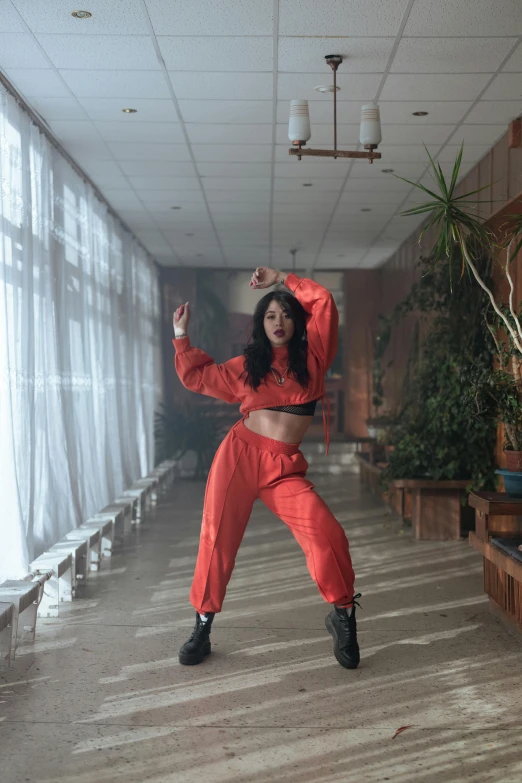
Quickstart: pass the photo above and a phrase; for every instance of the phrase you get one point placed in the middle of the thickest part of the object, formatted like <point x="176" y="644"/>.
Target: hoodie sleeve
<point x="199" y="373"/>
<point x="323" y="319"/>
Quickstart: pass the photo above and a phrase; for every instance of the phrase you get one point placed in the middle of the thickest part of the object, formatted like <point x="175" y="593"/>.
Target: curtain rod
<point x="40" y="123"/>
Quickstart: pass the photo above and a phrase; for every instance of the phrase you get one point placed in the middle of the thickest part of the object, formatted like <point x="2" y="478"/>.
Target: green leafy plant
<point x="191" y="427"/>
<point x="437" y="433"/>
<point x="458" y="226"/>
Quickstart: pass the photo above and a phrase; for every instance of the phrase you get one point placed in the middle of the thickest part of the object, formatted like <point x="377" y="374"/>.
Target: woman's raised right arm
<point x="198" y="372"/>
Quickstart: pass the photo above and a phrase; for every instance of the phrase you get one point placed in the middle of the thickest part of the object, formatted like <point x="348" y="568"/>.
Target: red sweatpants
<point x="248" y="466"/>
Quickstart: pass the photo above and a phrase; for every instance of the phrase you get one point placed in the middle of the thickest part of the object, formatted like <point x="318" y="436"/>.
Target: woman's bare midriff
<point x="286" y="427"/>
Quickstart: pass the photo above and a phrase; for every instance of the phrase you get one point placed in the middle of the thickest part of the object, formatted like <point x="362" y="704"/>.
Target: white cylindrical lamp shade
<point x="299" y="126"/>
<point x="370" y="134"/>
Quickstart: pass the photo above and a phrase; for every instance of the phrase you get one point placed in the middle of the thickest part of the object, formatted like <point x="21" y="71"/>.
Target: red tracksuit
<point x="248" y="466"/>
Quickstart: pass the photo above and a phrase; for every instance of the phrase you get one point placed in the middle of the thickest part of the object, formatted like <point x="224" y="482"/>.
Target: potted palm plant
<point x="458" y="226"/>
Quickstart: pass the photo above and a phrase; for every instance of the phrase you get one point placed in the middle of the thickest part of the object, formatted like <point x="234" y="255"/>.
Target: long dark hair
<point x="258" y="352"/>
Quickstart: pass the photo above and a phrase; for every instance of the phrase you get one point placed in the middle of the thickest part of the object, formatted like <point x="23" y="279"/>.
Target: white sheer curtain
<point x="79" y="347"/>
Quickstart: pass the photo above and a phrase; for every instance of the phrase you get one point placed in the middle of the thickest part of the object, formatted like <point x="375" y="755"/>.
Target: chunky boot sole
<point x="344" y="660"/>
<point x="191" y="659"/>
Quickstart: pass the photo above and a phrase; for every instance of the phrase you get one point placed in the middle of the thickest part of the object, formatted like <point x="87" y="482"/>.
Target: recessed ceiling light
<point x="420" y="113"/>
<point x="81" y="14"/>
<point x="387" y="171"/>
<point x="366" y="209"/>
<point x="129" y="111"/>
<point x="308" y="184"/>
<point x="175" y="207"/>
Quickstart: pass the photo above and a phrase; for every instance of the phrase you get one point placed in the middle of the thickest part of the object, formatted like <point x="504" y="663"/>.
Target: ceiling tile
<point x="74" y="130"/>
<point x="358" y="18"/>
<point x="396" y="153"/>
<point x="361" y="55"/>
<point x="111" y="109"/>
<point x="20" y="50"/>
<point x="433" y="86"/>
<point x="234" y="169"/>
<point x="383" y="185"/>
<point x="163" y="183"/>
<point x="112" y="181"/>
<point x="229" y="134"/>
<point x="471" y="152"/>
<point x="116" y="84"/>
<point x="464" y="18"/>
<point x="222" y="86"/>
<point x="323" y="184"/>
<point x="37" y="83"/>
<point x="230" y="112"/>
<point x="177" y="17"/>
<point x="200" y="53"/>
<point x="478" y="134"/>
<point x="367" y="198"/>
<point x="90" y="51"/>
<point x="322" y="135"/>
<point x="158" y="168"/>
<point x="374" y="172"/>
<point x="308" y="171"/>
<point x="10" y="21"/>
<point x="139" y="151"/>
<point x="439" y="112"/>
<point x="236" y="183"/>
<point x="354" y="87"/>
<point x="515" y="61"/>
<point x="495" y="112"/>
<point x="59" y="109"/>
<point x="126" y="199"/>
<point x="415" y="134"/>
<point x="103" y="168"/>
<point x="43" y="16"/>
<point x="232" y="196"/>
<point x="505" y="87"/>
<point x="223" y="209"/>
<point x="232" y="153"/>
<point x="321" y="111"/>
<point x="141" y="131"/>
<point x="450" y="55"/>
<point x="163" y="200"/>
<point x="87" y="150"/>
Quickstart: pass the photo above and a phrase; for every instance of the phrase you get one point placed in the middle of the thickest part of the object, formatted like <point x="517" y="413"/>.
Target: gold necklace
<point x="280" y="379"/>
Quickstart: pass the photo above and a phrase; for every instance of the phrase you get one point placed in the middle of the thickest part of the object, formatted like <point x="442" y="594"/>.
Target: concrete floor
<point x="101" y="697"/>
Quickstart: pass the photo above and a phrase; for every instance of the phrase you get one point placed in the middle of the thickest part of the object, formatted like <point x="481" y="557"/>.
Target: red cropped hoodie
<point x="227" y="381"/>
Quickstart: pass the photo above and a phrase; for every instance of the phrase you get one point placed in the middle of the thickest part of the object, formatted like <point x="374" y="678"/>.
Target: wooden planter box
<point x="499" y="516"/>
<point x="434" y="507"/>
<point x="398" y="499"/>
<point x="437" y="513"/>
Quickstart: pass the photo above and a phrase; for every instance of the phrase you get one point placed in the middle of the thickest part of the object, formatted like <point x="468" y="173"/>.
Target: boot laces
<point x="199" y="629"/>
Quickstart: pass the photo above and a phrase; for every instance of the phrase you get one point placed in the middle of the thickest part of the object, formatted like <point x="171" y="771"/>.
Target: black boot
<point x="343" y="627"/>
<point x="198" y="646"/>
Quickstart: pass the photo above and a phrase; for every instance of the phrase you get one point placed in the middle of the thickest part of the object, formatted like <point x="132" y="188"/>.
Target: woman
<point x="294" y="342"/>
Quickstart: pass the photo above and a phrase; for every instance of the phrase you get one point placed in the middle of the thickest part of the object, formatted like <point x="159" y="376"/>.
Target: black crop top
<point x="305" y="409"/>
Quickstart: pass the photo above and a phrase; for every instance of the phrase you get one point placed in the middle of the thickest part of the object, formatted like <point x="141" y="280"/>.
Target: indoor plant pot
<point x="513" y="460"/>
<point x="512" y="482"/>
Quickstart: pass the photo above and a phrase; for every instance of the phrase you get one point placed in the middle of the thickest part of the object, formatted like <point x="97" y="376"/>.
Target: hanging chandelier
<point x="299" y="131"/>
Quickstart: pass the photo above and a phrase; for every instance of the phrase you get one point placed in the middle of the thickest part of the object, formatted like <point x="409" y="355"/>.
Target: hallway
<point x="101" y="696"/>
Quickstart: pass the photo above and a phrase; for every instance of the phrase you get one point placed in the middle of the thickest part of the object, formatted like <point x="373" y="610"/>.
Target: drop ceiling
<point x="211" y="83"/>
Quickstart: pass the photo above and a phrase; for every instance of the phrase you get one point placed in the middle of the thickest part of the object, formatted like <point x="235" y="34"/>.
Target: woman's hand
<point x="264" y="277"/>
<point x="181" y="317"/>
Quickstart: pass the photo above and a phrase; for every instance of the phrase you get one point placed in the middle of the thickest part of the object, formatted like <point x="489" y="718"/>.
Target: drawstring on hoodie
<point x="326" y="421"/>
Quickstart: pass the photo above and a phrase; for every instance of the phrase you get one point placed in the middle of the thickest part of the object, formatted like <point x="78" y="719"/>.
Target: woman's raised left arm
<point x="322" y="325"/>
